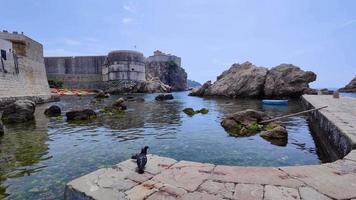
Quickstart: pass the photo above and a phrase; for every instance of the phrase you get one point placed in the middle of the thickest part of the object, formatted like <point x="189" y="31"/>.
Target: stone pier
<point x="166" y="178"/>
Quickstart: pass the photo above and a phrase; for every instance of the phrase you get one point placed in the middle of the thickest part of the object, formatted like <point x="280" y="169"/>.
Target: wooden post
<point x="291" y="115"/>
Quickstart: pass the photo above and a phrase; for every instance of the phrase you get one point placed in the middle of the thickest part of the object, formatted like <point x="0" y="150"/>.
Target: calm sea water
<point x="37" y="159"/>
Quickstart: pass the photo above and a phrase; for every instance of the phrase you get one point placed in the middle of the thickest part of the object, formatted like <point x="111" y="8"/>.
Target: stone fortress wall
<point x="93" y="72"/>
<point x="22" y="69"/>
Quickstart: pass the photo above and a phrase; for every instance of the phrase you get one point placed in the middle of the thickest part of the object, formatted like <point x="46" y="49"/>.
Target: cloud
<point x="130" y="9"/>
<point x="127" y="20"/>
<point x="348" y="23"/>
<point x="71" y="42"/>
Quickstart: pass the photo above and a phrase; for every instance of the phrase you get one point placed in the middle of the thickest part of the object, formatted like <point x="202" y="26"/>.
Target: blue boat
<point x="275" y="102"/>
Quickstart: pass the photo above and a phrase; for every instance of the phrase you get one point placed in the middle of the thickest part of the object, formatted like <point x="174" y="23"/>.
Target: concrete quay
<point x="166" y="178"/>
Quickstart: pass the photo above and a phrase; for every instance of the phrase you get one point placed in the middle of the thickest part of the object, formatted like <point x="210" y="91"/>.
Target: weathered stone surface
<point x="254" y="175"/>
<point x="167" y="192"/>
<point x="169" y="73"/>
<point x="19" y="111"/>
<point x="248" y="192"/>
<point x="53" y="111"/>
<point x="186" y="175"/>
<point x="85" y="114"/>
<point x="223" y="190"/>
<point x="274" y="192"/>
<point x="327" y="180"/>
<point x="128" y="86"/>
<point x="142" y="191"/>
<point x="351" y="87"/>
<point x="241" y="80"/>
<point x="200" y="196"/>
<point x="152" y="85"/>
<point x="287" y="80"/>
<point x="163" y="97"/>
<point x="307" y="193"/>
<point x="351" y="156"/>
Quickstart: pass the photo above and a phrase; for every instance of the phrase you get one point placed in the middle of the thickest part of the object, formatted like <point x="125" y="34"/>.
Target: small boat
<point x="275" y="102"/>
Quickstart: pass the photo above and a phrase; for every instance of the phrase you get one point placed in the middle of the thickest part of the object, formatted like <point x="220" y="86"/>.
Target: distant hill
<point x="193" y="84"/>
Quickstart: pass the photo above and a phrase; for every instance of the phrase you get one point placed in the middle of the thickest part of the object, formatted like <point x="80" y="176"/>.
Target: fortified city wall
<point x="22" y="69"/>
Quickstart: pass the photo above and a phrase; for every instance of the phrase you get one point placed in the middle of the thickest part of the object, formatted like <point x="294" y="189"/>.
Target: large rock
<point x="287" y="80"/>
<point x="19" y="111"/>
<point x="163" y="97"/>
<point x="278" y="132"/>
<point x="152" y="85"/>
<point x="243" y="123"/>
<point x="169" y="73"/>
<point x="202" y="90"/>
<point x="119" y="104"/>
<point x="351" y="87"/>
<point x="102" y="95"/>
<point x="241" y="80"/>
<point x="53" y="111"/>
<point x="85" y="114"/>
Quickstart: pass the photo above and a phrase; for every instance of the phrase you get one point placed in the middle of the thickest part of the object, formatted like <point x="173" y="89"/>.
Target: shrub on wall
<point x="55" y="84"/>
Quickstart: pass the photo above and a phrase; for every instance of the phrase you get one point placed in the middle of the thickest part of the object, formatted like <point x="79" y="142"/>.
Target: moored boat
<point x="275" y="102"/>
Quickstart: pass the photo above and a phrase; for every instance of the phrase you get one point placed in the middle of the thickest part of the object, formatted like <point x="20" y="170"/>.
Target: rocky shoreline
<point x="249" y="81"/>
<point x="351" y="87"/>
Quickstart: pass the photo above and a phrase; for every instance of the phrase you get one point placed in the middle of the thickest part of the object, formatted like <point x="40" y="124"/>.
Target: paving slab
<point x="186" y="175"/>
<point x="224" y="190"/>
<point x="307" y="193"/>
<point x="254" y="175"/>
<point x="278" y="192"/>
<point x="327" y="180"/>
<point x="248" y="192"/>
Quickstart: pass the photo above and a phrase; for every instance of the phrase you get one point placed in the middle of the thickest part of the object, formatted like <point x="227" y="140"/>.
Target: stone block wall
<point x="30" y="80"/>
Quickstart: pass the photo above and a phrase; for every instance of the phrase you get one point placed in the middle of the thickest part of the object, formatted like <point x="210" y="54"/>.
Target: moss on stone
<point x="189" y="111"/>
<point x="203" y="111"/>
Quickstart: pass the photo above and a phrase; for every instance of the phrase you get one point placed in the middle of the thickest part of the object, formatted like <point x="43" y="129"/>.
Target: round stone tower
<point x="124" y="65"/>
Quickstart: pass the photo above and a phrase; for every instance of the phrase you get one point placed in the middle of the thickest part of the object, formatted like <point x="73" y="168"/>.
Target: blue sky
<point x="209" y="35"/>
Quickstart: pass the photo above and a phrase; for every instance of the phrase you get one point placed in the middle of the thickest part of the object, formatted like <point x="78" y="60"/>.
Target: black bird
<point x="141" y="159"/>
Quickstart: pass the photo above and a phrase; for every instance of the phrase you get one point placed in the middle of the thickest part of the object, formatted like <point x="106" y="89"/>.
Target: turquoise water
<point x="38" y="158"/>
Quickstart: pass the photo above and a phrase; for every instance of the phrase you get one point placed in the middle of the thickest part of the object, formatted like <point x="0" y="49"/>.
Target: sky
<point x="209" y="35"/>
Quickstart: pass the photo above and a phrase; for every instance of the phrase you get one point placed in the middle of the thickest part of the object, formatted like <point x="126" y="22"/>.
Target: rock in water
<point x="119" y="104"/>
<point x="351" y="87"/>
<point x="287" y="80"/>
<point x="243" y="123"/>
<point x="278" y="132"/>
<point x="153" y="85"/>
<point x="163" y="97"/>
<point x="202" y="91"/>
<point x="1" y="129"/>
<point x="53" y="111"/>
<point x="19" y="111"/>
<point x="189" y="111"/>
<point x="85" y="114"/>
<point x="102" y="95"/>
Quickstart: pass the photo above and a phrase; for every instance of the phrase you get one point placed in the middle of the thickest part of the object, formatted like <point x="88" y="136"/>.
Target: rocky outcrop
<point x="287" y="80"/>
<point x="53" y="111"/>
<point x="278" y="132"/>
<point x="247" y="80"/>
<point x="127" y="86"/>
<point x="119" y="104"/>
<point x="351" y="87"/>
<point x="19" y="111"/>
<point x="85" y="114"/>
<point x="102" y="95"/>
<point x="169" y="73"/>
<point x="190" y="111"/>
<point x="163" y="97"/>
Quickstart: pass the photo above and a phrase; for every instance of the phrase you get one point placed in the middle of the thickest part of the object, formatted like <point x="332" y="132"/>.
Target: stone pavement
<point x="167" y="179"/>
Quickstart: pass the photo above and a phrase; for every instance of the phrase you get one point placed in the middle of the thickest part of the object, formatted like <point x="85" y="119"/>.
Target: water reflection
<point x="38" y="159"/>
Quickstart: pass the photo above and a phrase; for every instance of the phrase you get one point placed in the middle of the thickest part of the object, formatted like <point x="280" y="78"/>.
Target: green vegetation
<point x="55" y="84"/>
<point x="190" y="111"/>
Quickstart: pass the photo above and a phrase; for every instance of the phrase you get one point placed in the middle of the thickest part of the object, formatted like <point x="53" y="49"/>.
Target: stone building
<point x="22" y="69"/>
<point x="159" y="56"/>
<point x="124" y="65"/>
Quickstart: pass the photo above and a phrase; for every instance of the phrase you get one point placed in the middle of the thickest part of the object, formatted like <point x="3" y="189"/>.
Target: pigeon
<point x="141" y="159"/>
